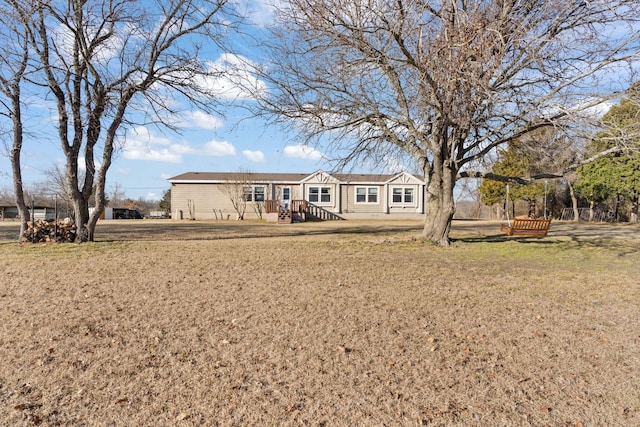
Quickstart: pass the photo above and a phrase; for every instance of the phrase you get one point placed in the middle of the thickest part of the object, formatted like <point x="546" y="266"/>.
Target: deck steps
<point x="284" y="216"/>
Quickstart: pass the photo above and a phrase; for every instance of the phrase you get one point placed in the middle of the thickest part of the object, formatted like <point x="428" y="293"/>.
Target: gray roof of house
<point x="213" y="177"/>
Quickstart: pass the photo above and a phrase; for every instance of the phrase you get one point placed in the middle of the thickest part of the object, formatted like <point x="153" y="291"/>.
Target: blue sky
<point x="206" y="143"/>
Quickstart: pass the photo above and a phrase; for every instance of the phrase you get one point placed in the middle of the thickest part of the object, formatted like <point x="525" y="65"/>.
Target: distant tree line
<point x="47" y="195"/>
<point x="606" y="189"/>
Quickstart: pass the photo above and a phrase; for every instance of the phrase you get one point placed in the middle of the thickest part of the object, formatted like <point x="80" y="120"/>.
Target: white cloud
<point x="591" y="109"/>
<point x="302" y="151"/>
<point x="201" y="120"/>
<point x="183" y="148"/>
<point x="598" y="110"/>
<point x="142" y="144"/>
<point x="105" y="51"/>
<point x="260" y="12"/>
<point x="123" y="171"/>
<point x="164" y="155"/>
<point x="82" y="165"/>
<point x="218" y="149"/>
<point x="230" y="77"/>
<point x="254" y="156"/>
<point x="153" y="196"/>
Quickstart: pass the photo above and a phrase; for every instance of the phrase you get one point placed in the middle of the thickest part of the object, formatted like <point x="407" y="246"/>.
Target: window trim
<point x="367" y="195"/>
<point x="403" y="195"/>
<point x="320" y="194"/>
<point x="250" y="196"/>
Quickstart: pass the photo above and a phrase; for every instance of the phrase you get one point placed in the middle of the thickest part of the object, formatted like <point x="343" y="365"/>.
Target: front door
<point x="285" y="197"/>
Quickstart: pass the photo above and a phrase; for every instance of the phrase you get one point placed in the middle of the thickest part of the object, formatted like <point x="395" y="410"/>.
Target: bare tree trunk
<point x="574" y="201"/>
<point x="18" y="189"/>
<point x="101" y="176"/>
<point x="634" y="210"/>
<point x="81" y="218"/>
<point x="531" y="211"/>
<point x="10" y="87"/>
<point x="16" y="166"/>
<point x="91" y="223"/>
<point x="591" y="211"/>
<point x="440" y="204"/>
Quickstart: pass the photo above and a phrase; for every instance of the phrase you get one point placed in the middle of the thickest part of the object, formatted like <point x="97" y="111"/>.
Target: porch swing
<point x="525" y="226"/>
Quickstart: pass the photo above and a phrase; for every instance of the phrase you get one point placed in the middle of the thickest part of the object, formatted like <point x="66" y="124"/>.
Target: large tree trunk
<point x="100" y="184"/>
<point x="81" y="214"/>
<point x="440" y="204"/>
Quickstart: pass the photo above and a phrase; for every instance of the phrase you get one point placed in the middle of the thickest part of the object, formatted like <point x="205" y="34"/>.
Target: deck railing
<point x="299" y="206"/>
<point x="272" y="206"/>
<point x="320" y="213"/>
<point x="300" y="210"/>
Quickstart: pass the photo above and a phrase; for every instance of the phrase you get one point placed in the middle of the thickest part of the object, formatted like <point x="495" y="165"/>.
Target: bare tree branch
<point x="447" y="82"/>
<point x="100" y="62"/>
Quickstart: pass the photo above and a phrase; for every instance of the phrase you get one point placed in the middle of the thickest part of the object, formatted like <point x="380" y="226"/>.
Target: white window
<point x="366" y="194"/>
<point x="254" y="193"/>
<point x="320" y="195"/>
<point x="403" y="195"/>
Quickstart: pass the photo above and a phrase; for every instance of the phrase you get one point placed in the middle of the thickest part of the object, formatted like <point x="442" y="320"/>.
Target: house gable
<point x="405" y="178"/>
<point x="320" y="177"/>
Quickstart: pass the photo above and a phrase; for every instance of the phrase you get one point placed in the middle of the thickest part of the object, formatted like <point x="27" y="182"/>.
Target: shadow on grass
<point x="625" y="243"/>
<point x="221" y="231"/>
<point x="125" y="230"/>
<point x="624" y="238"/>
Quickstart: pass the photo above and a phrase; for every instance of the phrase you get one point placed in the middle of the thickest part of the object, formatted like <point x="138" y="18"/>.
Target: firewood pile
<point x="50" y="231"/>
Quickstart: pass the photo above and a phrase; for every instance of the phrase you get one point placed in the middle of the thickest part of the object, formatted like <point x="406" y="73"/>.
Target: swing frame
<point x="525" y="226"/>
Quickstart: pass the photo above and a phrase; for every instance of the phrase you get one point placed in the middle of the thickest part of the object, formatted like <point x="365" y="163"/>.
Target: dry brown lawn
<point x="321" y="324"/>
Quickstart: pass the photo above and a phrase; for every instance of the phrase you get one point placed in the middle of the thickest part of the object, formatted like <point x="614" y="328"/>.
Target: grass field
<point x="347" y="323"/>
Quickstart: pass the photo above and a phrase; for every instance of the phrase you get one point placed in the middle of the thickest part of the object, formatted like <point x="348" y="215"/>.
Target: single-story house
<point x="324" y="195"/>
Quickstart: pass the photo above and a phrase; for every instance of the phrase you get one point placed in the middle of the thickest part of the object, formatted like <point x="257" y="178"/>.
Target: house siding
<point x="198" y="201"/>
<point x="200" y="195"/>
<point x="209" y="200"/>
<point x="351" y="206"/>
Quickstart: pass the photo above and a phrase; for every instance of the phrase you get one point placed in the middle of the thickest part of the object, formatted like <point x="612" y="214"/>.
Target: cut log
<point x="39" y="231"/>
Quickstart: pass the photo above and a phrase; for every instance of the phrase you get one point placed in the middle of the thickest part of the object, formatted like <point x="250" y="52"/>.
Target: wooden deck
<point x="296" y="212"/>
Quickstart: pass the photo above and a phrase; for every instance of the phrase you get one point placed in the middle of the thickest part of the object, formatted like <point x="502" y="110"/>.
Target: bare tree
<point x="445" y="81"/>
<point x="238" y="188"/>
<point x="56" y="185"/>
<point x="117" y="196"/>
<point x="106" y="65"/>
<point x="14" y="68"/>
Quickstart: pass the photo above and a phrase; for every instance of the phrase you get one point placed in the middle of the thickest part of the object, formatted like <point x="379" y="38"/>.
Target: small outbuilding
<point x="45" y="213"/>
